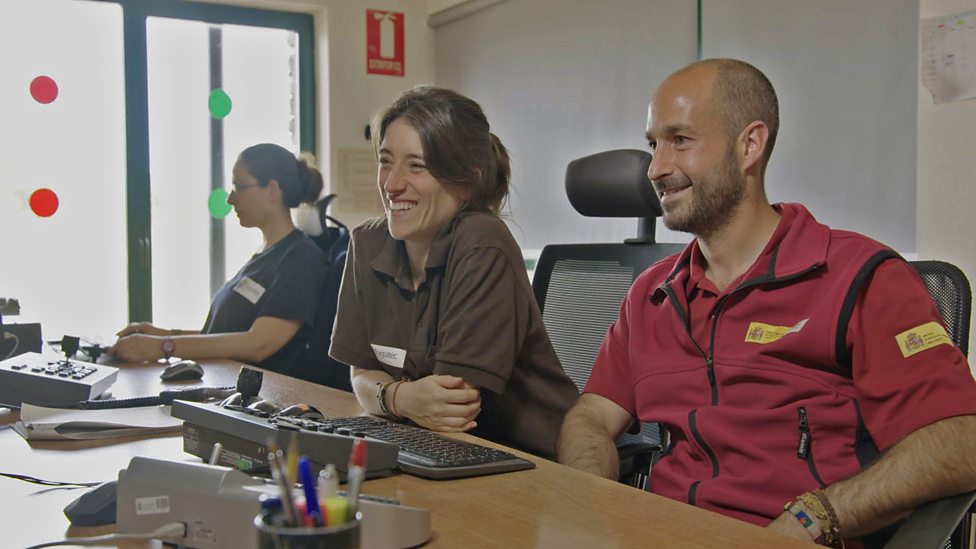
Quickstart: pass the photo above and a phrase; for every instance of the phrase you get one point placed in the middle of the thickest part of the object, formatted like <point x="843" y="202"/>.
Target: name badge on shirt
<point x="391" y="356"/>
<point x="251" y="290"/>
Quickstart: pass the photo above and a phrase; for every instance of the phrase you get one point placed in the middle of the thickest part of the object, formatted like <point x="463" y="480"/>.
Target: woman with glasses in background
<point x="265" y="313"/>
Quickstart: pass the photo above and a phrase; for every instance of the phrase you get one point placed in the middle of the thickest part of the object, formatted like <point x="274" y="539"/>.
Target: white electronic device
<point x="46" y="380"/>
<point x="218" y="505"/>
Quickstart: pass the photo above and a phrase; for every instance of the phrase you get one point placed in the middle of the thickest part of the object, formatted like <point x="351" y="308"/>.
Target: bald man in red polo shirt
<point x="803" y="373"/>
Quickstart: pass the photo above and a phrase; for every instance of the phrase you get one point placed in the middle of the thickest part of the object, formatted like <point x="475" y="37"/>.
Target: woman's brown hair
<point x="459" y="148"/>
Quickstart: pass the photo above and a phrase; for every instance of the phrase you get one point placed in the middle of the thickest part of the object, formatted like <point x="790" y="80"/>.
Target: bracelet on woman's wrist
<point x="393" y="398"/>
<point x="381" y="397"/>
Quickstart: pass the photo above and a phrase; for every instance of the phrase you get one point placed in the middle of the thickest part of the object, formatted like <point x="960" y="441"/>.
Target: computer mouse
<point x="95" y="507"/>
<point x="182" y="370"/>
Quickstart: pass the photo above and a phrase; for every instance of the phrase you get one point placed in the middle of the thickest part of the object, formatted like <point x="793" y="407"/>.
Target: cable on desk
<point x="43" y="482"/>
<point x="173" y="530"/>
<point x="196" y="394"/>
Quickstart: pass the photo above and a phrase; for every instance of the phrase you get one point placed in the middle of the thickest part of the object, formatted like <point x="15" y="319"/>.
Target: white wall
<point x="845" y="73"/>
<point x="947" y="170"/>
<point x="353" y="96"/>
<point x="561" y="80"/>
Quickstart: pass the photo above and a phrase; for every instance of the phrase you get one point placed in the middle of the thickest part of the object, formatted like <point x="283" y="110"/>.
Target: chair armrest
<point x="630" y="449"/>
<point x="930" y="525"/>
<point x="636" y="459"/>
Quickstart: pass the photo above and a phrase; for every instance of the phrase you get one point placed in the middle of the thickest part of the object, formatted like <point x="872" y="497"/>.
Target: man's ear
<point x="752" y="141"/>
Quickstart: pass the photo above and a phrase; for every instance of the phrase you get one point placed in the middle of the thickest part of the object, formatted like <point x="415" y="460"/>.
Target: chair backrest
<point x="932" y="524"/>
<point x="579" y="287"/>
<point x="953" y="297"/>
<point x="318" y="366"/>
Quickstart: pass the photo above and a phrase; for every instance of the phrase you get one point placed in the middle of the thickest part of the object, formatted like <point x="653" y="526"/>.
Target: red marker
<point x="355" y="475"/>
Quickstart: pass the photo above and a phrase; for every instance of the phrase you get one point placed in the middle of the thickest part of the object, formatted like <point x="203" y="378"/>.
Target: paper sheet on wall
<point x="356" y="184"/>
<point x="949" y="56"/>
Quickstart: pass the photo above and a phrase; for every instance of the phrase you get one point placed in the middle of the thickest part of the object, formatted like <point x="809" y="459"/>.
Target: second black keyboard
<point x="421" y="452"/>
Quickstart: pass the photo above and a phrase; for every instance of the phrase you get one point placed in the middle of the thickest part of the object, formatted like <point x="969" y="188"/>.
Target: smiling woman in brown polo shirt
<point x="436" y="315"/>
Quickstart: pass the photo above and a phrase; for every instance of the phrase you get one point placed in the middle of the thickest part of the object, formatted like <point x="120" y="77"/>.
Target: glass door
<point x="214" y="89"/>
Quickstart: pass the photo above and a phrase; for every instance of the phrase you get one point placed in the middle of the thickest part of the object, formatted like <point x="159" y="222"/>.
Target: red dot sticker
<point x="44" y="202"/>
<point x="44" y="89"/>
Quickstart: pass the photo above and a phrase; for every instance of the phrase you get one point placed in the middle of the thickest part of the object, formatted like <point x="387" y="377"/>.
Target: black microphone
<point x="69" y="345"/>
<point x="249" y="384"/>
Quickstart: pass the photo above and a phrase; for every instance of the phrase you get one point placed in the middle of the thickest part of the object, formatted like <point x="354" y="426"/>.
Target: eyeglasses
<point x="238" y="188"/>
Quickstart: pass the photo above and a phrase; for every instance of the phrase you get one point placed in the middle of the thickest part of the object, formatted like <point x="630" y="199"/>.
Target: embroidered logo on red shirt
<point x="920" y="338"/>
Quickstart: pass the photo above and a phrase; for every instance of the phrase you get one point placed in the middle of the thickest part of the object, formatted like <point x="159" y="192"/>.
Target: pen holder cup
<point x="345" y="536"/>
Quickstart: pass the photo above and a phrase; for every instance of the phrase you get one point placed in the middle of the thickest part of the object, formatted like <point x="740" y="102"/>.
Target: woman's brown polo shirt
<point x="473" y="316"/>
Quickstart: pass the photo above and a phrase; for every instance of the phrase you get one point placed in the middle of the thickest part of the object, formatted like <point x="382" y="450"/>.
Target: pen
<point x="293" y="458"/>
<point x="287" y="503"/>
<point x="308" y="485"/>
<point x="357" y="463"/>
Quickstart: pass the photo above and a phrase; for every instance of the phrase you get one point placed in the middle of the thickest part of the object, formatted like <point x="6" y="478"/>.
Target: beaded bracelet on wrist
<point x="796" y="508"/>
<point x="817" y="502"/>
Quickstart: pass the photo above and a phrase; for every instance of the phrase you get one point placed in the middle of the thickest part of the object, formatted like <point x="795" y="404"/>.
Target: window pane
<point x="259" y="76"/>
<point x="65" y="133"/>
<point x="179" y="170"/>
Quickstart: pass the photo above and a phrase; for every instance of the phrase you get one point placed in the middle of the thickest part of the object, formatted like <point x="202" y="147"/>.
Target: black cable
<point x="196" y="394"/>
<point x="43" y="482"/>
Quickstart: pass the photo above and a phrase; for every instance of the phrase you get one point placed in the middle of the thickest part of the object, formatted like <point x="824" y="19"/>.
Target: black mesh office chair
<point x="318" y="366"/>
<point x="580" y="287"/>
<point x="942" y="523"/>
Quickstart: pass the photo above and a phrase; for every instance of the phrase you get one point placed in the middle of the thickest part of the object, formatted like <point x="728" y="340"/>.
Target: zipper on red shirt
<point x="804" y="447"/>
<point x="693" y="427"/>
<point x="709" y="363"/>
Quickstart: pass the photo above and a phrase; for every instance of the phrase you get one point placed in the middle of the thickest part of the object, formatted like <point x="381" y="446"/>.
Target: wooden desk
<point x="550" y="506"/>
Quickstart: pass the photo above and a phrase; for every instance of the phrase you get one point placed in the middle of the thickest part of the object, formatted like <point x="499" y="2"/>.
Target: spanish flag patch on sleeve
<point x="920" y="338"/>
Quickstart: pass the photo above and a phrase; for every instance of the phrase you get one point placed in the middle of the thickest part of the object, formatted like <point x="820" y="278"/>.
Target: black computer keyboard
<point x="413" y="450"/>
<point x="421" y="452"/>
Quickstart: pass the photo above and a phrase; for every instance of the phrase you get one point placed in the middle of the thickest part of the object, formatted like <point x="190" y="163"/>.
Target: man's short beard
<point x="715" y="198"/>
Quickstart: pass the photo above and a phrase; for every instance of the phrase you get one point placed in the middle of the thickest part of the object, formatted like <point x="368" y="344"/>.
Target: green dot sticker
<point x="217" y="204"/>
<point x="219" y="103"/>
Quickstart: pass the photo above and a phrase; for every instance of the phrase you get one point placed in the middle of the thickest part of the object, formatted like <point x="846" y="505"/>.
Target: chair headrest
<point x="612" y="184"/>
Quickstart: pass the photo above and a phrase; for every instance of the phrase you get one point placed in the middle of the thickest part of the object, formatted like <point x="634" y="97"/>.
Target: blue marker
<point x="308" y="485"/>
